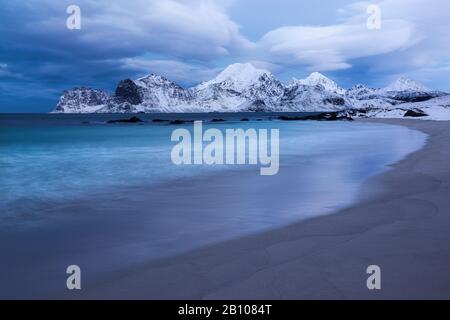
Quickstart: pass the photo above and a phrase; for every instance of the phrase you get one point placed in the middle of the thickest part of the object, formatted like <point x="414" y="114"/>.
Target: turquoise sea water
<point x="55" y="157"/>
<point x="77" y="190"/>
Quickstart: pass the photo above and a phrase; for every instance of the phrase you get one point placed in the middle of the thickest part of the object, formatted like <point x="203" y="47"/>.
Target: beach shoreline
<point x="120" y="229"/>
<point x="403" y="229"/>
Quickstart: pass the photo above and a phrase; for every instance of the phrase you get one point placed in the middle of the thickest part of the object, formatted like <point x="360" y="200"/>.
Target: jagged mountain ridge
<point x="238" y="88"/>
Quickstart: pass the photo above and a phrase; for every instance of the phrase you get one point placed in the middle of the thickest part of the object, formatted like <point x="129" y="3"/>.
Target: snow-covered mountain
<point x="318" y="79"/>
<point x="405" y="84"/>
<point x="237" y="77"/>
<point x="300" y="97"/>
<point x="82" y="100"/>
<point x="152" y="93"/>
<point x="241" y="87"/>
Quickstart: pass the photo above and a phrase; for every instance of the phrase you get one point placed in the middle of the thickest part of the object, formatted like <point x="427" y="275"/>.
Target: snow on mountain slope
<point x="362" y="92"/>
<point x="159" y="94"/>
<point x="82" y="100"/>
<point x="317" y="78"/>
<point x="300" y="97"/>
<point x="433" y="109"/>
<point x="362" y="97"/>
<point x="236" y="77"/>
<point x="242" y="87"/>
<point x="405" y="84"/>
<point x="238" y="88"/>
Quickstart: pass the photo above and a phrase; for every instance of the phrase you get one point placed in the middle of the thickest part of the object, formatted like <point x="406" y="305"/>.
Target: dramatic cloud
<point x="191" y="40"/>
<point x="188" y="29"/>
<point x="37" y="43"/>
<point x="332" y="47"/>
<point x="429" y="46"/>
<point x="414" y="40"/>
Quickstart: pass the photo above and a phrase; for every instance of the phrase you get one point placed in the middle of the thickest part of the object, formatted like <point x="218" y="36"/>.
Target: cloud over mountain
<point x="190" y="40"/>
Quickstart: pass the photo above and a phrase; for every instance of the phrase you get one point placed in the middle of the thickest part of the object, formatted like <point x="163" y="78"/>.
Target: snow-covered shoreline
<point x="437" y="109"/>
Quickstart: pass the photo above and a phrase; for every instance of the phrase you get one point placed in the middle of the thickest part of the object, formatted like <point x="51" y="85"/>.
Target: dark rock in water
<point x="159" y="120"/>
<point x="244" y="119"/>
<point x="131" y="120"/>
<point x="416" y="113"/>
<point x="128" y="91"/>
<point x="177" y="122"/>
<point x="286" y="118"/>
<point x="326" y="116"/>
<point x="217" y="120"/>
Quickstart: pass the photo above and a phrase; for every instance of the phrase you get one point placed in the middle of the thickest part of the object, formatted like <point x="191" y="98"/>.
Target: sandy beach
<point x="404" y="229"/>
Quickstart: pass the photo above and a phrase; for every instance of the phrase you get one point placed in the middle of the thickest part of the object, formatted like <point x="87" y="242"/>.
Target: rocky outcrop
<point x="128" y="92"/>
<point x="82" y="100"/>
<point x="131" y="120"/>
<point x="325" y="116"/>
<point x="415" y="113"/>
<point x="413" y="96"/>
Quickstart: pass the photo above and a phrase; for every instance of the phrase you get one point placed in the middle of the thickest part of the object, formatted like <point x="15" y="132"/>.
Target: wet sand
<point x="404" y="229"/>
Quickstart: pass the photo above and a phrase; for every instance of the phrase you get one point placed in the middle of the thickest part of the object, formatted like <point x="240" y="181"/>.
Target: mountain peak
<point x="237" y="76"/>
<point x="240" y="87"/>
<point x="244" y="72"/>
<point x="405" y="84"/>
<point x="153" y="77"/>
<point x="316" y="78"/>
<point x="239" y="67"/>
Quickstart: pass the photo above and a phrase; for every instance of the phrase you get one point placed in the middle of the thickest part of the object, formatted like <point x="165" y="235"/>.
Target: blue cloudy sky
<point x="192" y="40"/>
